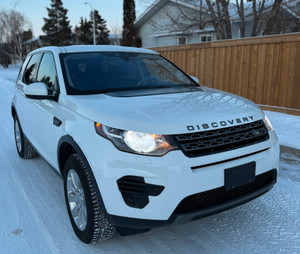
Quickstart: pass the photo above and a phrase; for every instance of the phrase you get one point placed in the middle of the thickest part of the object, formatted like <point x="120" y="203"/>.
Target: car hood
<point x="167" y="113"/>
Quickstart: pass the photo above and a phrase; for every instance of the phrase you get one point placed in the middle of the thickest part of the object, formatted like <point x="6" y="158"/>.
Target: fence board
<point x="246" y="71"/>
<point x="258" y="84"/>
<point x="216" y="68"/>
<point x="239" y="71"/>
<point x="263" y="69"/>
<point x="227" y="68"/>
<point x="296" y="85"/>
<point x="253" y="72"/>
<point x="201" y="77"/>
<point x="233" y="68"/>
<point x="266" y="84"/>
<point x="220" y="73"/>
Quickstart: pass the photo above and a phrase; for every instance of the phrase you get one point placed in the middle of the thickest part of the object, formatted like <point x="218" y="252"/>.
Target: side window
<point x="47" y="73"/>
<point x="31" y="69"/>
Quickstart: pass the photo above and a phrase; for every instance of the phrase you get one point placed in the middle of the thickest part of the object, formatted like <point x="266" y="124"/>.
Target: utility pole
<point x="94" y="26"/>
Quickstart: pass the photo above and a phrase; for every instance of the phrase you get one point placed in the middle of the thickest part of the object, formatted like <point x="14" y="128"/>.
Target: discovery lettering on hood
<point x="219" y="124"/>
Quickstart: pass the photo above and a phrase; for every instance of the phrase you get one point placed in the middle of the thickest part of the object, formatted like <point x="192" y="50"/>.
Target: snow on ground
<point x="287" y="128"/>
<point x="33" y="216"/>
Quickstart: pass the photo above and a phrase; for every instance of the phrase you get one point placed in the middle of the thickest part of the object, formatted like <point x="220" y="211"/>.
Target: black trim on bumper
<point x="126" y="222"/>
<point x="136" y="192"/>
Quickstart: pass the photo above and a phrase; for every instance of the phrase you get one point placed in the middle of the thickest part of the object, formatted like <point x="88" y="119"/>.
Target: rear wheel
<point x="24" y="148"/>
<point x="87" y="217"/>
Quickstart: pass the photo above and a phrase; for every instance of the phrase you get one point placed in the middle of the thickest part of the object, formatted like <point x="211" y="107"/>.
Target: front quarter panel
<point x="78" y="127"/>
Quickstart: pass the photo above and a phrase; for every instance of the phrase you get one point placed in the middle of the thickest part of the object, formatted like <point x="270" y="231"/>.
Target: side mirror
<point x="195" y="79"/>
<point x="37" y="91"/>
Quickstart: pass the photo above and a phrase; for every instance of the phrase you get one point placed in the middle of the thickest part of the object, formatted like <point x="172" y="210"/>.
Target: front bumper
<point x="178" y="218"/>
<point x="180" y="176"/>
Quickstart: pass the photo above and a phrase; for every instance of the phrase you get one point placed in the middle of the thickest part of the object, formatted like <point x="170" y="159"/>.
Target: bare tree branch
<point x="12" y="27"/>
<point x="241" y="12"/>
<point x="257" y="16"/>
<point x="272" y="16"/>
<point x="220" y="18"/>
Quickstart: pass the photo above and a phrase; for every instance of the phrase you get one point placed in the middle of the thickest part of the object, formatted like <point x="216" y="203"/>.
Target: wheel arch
<point x="68" y="146"/>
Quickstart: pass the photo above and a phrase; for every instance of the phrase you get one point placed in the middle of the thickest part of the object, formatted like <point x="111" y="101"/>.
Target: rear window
<point x="95" y="72"/>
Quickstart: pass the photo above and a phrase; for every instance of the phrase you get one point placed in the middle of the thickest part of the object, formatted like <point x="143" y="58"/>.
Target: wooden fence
<point x="263" y="69"/>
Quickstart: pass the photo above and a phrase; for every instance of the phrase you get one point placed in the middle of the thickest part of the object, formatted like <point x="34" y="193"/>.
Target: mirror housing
<point x="38" y="91"/>
<point x="195" y="79"/>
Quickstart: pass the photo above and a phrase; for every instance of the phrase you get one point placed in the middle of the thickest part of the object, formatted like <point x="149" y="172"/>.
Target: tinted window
<point x="31" y="69"/>
<point x="94" y="72"/>
<point x="47" y="73"/>
<point x="159" y="70"/>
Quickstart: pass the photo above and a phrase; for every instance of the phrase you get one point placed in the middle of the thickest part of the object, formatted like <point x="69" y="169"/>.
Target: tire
<point x="88" y="218"/>
<point x="24" y="147"/>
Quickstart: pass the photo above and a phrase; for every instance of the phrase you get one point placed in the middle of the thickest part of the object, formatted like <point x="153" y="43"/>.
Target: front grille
<point x="221" y="140"/>
<point x="220" y="195"/>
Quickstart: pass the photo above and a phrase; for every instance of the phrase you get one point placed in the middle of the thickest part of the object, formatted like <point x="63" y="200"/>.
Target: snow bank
<point x="287" y="128"/>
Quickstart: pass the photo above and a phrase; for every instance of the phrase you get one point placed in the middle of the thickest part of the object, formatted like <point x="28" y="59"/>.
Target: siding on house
<point x="156" y="30"/>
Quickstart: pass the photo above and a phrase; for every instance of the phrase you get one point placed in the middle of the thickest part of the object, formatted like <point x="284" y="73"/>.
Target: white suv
<point x="138" y="142"/>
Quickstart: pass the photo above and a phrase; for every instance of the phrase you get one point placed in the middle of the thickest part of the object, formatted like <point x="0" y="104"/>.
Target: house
<point x="178" y="22"/>
<point x="31" y="44"/>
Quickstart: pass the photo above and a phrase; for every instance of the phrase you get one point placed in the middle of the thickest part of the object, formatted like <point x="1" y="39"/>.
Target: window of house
<point x="181" y="40"/>
<point x="206" y="37"/>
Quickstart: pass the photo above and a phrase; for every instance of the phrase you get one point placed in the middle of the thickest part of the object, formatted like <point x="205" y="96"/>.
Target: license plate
<point x="239" y="175"/>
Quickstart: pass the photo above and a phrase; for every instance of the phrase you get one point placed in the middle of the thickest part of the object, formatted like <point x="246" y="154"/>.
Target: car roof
<point x="94" y="48"/>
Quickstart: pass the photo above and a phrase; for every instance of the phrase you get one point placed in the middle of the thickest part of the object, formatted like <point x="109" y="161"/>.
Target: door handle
<point x="57" y="122"/>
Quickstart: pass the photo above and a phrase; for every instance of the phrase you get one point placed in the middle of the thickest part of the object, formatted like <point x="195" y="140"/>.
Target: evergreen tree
<point x="102" y="32"/>
<point x="56" y="27"/>
<point x="129" y="36"/>
<point x="84" y="33"/>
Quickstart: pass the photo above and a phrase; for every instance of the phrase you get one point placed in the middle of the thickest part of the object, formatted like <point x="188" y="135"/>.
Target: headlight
<point x="268" y="124"/>
<point x="137" y="142"/>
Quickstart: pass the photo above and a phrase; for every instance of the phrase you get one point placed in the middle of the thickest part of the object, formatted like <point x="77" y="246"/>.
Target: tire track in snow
<point x="10" y="171"/>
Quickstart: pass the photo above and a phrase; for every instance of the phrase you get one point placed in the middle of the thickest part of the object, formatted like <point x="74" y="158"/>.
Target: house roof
<point x="156" y="6"/>
<point x="31" y="40"/>
<point x="288" y="5"/>
<point x="153" y="8"/>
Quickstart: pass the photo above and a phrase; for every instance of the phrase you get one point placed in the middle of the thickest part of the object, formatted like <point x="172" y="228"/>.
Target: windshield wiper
<point x="104" y="91"/>
<point x="122" y="89"/>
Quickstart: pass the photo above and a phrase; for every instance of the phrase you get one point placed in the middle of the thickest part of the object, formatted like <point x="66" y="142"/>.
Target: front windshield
<point x="96" y="72"/>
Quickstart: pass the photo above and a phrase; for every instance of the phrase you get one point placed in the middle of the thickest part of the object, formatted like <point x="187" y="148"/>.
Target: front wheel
<point x="87" y="217"/>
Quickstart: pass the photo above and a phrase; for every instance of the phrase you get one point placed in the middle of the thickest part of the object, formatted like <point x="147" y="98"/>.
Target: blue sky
<point x="34" y="10"/>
